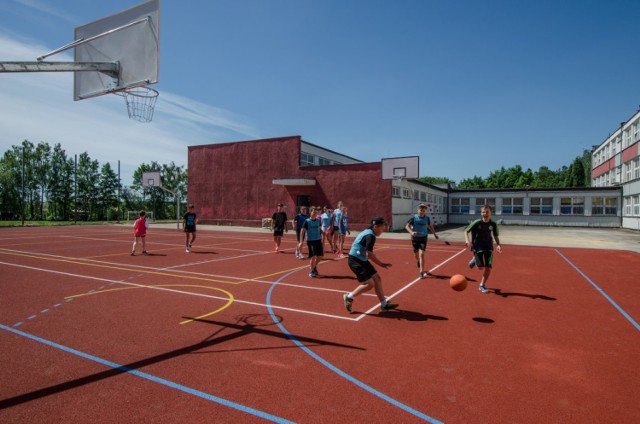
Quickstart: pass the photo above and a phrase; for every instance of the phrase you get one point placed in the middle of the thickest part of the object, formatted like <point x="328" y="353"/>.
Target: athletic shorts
<point x="419" y="243"/>
<point x="484" y="258"/>
<point x="190" y="229"/>
<point x="326" y="230"/>
<point x="277" y="232"/>
<point x="315" y="248"/>
<point x="364" y="271"/>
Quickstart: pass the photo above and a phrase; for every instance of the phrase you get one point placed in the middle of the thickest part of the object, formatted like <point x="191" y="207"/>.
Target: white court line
<point x="89" y="277"/>
<point x="364" y="314"/>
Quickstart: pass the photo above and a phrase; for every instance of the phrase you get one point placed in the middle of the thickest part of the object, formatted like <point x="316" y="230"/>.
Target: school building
<point x="240" y="183"/>
<point x="616" y="163"/>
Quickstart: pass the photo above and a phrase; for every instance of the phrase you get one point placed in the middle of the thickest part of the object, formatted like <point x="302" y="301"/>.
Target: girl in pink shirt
<point x="140" y="231"/>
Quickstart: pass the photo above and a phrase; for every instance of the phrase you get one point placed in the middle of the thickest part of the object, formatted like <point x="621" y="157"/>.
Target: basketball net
<point x="141" y="102"/>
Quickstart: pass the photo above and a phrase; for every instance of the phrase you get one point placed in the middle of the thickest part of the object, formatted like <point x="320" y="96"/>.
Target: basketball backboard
<point x="151" y="179"/>
<point x="129" y="38"/>
<point x="407" y="167"/>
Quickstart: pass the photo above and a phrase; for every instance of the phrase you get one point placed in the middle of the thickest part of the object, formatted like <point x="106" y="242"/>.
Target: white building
<point x="616" y="163"/>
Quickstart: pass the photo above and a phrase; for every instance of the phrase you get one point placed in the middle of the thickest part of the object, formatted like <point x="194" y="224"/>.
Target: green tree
<point x="87" y="178"/>
<point x="41" y="174"/>
<point x="107" y="196"/>
<point x="10" y="182"/>
<point x="60" y="184"/>
<point x="471" y="183"/>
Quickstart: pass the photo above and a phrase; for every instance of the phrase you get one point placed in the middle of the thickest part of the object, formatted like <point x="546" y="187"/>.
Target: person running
<point x="311" y="229"/>
<point x="297" y="222"/>
<point x="419" y="226"/>
<point x="140" y="233"/>
<point x="279" y="225"/>
<point x="360" y="257"/>
<point x="325" y="218"/>
<point x="483" y="232"/>
<point x="189" y="221"/>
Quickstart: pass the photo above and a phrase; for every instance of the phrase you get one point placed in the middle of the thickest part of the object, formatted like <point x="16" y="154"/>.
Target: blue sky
<point x="468" y="85"/>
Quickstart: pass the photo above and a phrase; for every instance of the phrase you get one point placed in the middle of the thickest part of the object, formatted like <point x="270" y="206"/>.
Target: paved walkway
<point x="590" y="238"/>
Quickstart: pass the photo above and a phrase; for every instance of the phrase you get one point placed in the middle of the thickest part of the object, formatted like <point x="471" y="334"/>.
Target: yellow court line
<point x="141" y="271"/>
<point x="230" y="297"/>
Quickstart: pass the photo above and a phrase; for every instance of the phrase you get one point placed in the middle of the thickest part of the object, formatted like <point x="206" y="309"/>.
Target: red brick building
<point x="240" y="183"/>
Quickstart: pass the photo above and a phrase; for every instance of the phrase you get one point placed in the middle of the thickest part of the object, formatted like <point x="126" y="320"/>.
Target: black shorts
<point x="315" y="248"/>
<point x="278" y="231"/>
<point x="189" y="229"/>
<point x="484" y="258"/>
<point x="419" y="243"/>
<point x="364" y="271"/>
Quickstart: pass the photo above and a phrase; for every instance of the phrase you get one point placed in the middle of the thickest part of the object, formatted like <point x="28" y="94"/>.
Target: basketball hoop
<point x="141" y="102"/>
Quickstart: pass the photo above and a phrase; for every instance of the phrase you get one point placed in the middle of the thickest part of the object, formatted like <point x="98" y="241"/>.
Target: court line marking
<point x="606" y="296"/>
<point x="230" y="297"/>
<point x="150" y="377"/>
<point x="176" y="291"/>
<point x="206" y="277"/>
<point x="373" y="308"/>
<point x="335" y="369"/>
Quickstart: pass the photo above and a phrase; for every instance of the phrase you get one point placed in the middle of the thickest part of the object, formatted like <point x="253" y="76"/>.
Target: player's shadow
<point x="403" y="314"/>
<point x="153" y="254"/>
<point x="203" y="252"/>
<point x="499" y="292"/>
<point x="247" y="326"/>
<point x="448" y="277"/>
<point x="337" y="277"/>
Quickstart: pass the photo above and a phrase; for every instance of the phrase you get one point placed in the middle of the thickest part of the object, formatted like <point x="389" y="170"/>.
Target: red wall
<point x="231" y="183"/>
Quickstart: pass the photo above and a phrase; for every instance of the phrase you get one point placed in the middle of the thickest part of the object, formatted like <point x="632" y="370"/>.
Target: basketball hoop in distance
<point x="141" y="102"/>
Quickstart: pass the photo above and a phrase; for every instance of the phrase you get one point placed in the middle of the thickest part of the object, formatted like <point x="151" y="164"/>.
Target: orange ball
<point x="458" y="282"/>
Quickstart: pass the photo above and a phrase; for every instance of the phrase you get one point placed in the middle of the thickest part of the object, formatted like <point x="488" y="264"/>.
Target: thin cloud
<point x="39" y="108"/>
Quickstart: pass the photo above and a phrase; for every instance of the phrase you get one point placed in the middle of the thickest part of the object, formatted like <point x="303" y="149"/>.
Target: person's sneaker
<point x="189" y="247"/>
<point x="144" y="252"/>
<point x="133" y="252"/>
<point x="187" y="250"/>
<point x="388" y="307"/>
<point x="472" y="263"/>
<point x="483" y="289"/>
<point x="348" y="303"/>
<point x="424" y="274"/>
<point x="313" y="274"/>
<point x="275" y="250"/>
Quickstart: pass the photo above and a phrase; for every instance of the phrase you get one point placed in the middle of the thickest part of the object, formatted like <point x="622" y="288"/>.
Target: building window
<point x="406" y="193"/>
<point x="482" y="201"/>
<point x="541" y="206"/>
<point x="323" y="161"/>
<point x="460" y="206"/>
<point x="395" y="191"/>
<point x="512" y="205"/>
<point x="604" y="206"/>
<point x="572" y="206"/>
<point x="636" y="205"/>
<point x="416" y="195"/>
<point x="423" y="196"/>
<point x="636" y="168"/>
<point x="306" y="159"/>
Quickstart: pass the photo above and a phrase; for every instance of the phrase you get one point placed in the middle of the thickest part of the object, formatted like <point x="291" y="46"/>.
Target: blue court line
<point x="626" y="315"/>
<point x="338" y="371"/>
<point x="150" y="377"/>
